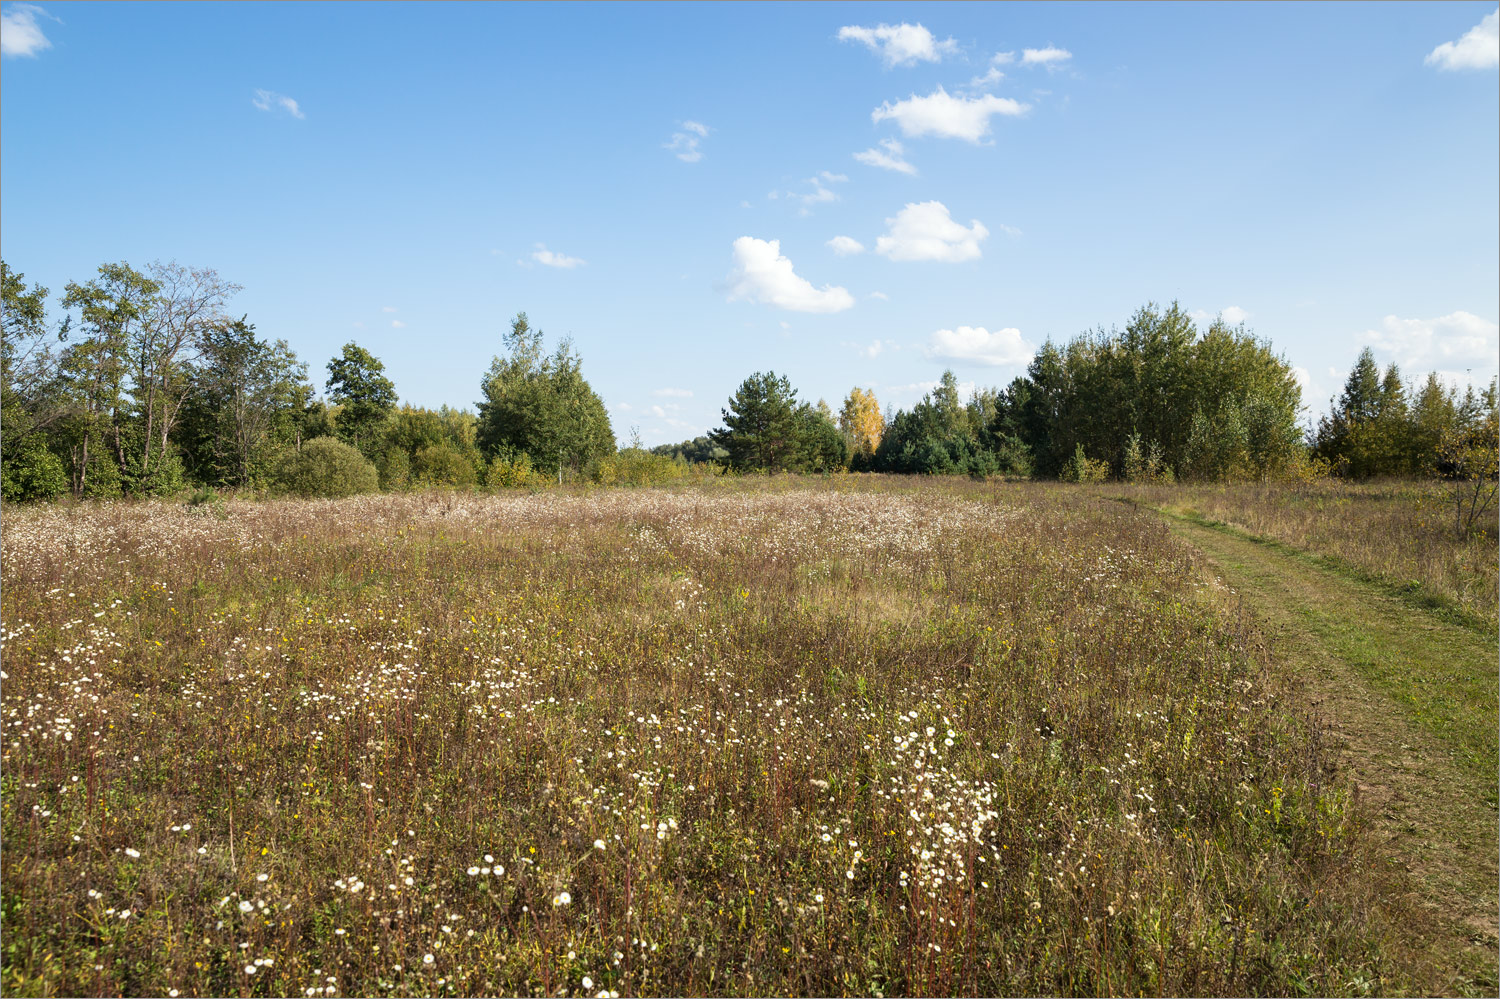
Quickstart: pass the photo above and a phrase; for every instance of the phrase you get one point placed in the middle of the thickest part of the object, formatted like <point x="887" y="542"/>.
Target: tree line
<point x="148" y="385"/>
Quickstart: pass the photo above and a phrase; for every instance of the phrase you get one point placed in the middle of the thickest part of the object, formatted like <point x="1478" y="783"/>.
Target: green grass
<point x="843" y="736"/>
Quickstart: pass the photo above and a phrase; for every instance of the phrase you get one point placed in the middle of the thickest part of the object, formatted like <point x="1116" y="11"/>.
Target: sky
<point x="849" y="194"/>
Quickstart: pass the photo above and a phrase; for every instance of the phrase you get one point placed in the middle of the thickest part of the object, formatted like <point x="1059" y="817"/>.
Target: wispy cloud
<point x="1231" y="314"/>
<point x="548" y="258"/>
<point x="1050" y="57"/>
<point x="397" y="324"/>
<point x="674" y="393"/>
<point x="269" y="100"/>
<point x="873" y="349"/>
<point x="948" y="116"/>
<point x="994" y="74"/>
<point x="20" y="35"/>
<point x="890" y="156"/>
<point x="820" y="193"/>
<point x="1479" y="48"/>
<point x="900" y="44"/>
<point x="684" y="144"/>
<point x="925" y="231"/>
<point x="761" y="274"/>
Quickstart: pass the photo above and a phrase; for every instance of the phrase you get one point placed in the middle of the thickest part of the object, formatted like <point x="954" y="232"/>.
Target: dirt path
<point x="1410" y="707"/>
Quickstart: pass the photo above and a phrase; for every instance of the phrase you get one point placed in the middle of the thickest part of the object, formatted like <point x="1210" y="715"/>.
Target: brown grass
<point x="214" y="730"/>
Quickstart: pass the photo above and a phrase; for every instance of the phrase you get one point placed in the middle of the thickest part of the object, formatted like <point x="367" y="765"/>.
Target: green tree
<point x="357" y="383"/>
<point x="542" y="404"/>
<point x="761" y="429"/>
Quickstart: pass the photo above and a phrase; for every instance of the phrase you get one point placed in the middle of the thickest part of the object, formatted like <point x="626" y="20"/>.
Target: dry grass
<point x="809" y="738"/>
<point x="1400" y="532"/>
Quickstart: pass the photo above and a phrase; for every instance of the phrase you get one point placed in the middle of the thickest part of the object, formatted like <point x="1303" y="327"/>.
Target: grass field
<point x="861" y="736"/>
<point x="1398" y="532"/>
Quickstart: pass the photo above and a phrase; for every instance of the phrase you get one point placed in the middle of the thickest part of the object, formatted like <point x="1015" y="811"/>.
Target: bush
<point x="394" y="469"/>
<point x="512" y="469"/>
<point x="325" y="467"/>
<point x="1082" y="468"/>
<point x="442" y="464"/>
<point x="31" y="472"/>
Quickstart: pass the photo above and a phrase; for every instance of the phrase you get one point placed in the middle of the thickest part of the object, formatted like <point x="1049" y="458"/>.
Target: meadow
<point x="1399" y="532"/>
<point x="805" y="736"/>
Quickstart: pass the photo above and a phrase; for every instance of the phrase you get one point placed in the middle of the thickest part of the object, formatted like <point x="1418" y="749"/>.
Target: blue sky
<point x="668" y="184"/>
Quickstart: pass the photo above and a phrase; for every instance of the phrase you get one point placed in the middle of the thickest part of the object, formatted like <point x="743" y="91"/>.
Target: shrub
<point x="31" y="472"/>
<point x="512" y="469"/>
<point x="442" y="464"/>
<point x="394" y="468"/>
<point x="1082" y="468"/>
<point x="325" y="467"/>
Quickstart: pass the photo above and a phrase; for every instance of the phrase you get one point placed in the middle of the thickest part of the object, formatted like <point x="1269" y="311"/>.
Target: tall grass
<point x="1399" y="531"/>
<point x="749" y="738"/>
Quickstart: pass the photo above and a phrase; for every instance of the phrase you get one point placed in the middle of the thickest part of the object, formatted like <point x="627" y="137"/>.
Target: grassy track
<point x="1410" y="705"/>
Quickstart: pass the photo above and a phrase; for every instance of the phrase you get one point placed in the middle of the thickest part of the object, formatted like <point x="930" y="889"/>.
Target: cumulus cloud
<point x="675" y="393"/>
<point x="925" y="231"/>
<point x="1453" y="340"/>
<point x="1050" y="57"/>
<point x="979" y="345"/>
<point x="846" y="246"/>
<point x="900" y="44"/>
<point x="1231" y="314"/>
<point x="1479" y="48"/>
<point x="397" y="324"/>
<point x="269" y="100"/>
<point x="542" y="255"/>
<point x="684" y="144"/>
<point x="946" y="115"/>
<point x="890" y="156"/>
<point x="20" y="35"/>
<point x="761" y="274"/>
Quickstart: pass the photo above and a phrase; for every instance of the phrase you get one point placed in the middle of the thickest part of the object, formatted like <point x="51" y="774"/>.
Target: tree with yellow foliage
<point x="861" y="422"/>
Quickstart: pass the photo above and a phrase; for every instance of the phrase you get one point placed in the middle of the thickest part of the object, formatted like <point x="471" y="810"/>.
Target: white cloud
<point x="397" y="324"/>
<point x="1231" y="314"/>
<point x="1050" y="57"/>
<point x="1010" y="230"/>
<point x="20" y="35"/>
<point x="819" y="193"/>
<point x="965" y="389"/>
<point x="892" y="158"/>
<point x="675" y="393"/>
<point x="977" y="344"/>
<point x="685" y="143"/>
<point x="624" y="407"/>
<point x="387" y="308"/>
<point x="1426" y="344"/>
<point x="846" y="246"/>
<point x="900" y="44"/>
<point x="542" y="255"/>
<point x="925" y="231"/>
<point x="269" y="100"/>
<point x="947" y="116"/>
<point x="1479" y="48"/>
<point x="880" y="295"/>
<point x="873" y="349"/>
<point x="993" y="75"/>
<point x="761" y="274"/>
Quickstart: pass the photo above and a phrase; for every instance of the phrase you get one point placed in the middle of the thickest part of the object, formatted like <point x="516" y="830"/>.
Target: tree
<point x="861" y="422"/>
<point x="94" y="370"/>
<point x="761" y="427"/>
<point x="357" y="383"/>
<point x="542" y="405"/>
<point x="247" y="400"/>
<point x="28" y="468"/>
